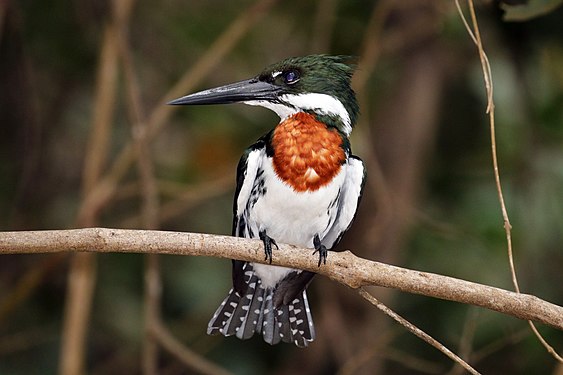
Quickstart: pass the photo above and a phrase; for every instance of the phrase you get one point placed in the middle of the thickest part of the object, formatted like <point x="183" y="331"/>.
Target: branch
<point x="417" y="331"/>
<point x="343" y="267"/>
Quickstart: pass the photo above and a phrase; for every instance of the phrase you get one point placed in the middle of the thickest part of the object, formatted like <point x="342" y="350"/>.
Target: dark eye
<point x="291" y="76"/>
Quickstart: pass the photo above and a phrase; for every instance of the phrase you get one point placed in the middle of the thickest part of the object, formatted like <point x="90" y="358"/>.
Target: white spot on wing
<point x="252" y="164"/>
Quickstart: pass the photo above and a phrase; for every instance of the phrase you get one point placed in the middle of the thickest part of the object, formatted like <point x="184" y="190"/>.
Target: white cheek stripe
<point x="319" y="103"/>
<point x="282" y="110"/>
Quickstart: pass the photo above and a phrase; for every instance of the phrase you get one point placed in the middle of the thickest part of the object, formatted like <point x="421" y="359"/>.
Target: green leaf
<point x="529" y="10"/>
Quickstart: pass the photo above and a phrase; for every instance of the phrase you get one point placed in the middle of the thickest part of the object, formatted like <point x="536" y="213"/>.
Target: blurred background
<point x="86" y="140"/>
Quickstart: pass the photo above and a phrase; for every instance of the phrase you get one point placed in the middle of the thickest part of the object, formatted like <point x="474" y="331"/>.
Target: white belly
<point x="291" y="217"/>
<point x="294" y="217"/>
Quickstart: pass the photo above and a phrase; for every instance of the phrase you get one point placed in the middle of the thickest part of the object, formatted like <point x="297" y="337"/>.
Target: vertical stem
<point x="82" y="274"/>
<point x="149" y="205"/>
<point x="98" y="189"/>
<point x="81" y="283"/>
<point x="153" y="292"/>
<point x="159" y="116"/>
<point x="487" y="75"/>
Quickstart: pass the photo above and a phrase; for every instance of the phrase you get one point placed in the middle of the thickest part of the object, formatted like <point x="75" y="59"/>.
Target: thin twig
<point x="370" y="52"/>
<point x="407" y="360"/>
<point x="371" y="45"/>
<point x="149" y="204"/>
<point x="152" y="301"/>
<point x="28" y="283"/>
<point x="411" y="361"/>
<point x="466" y="340"/>
<point x="360" y="358"/>
<point x="416" y="331"/>
<point x="79" y="295"/>
<point x="194" y="195"/>
<point x="160" y="115"/>
<point x="141" y="132"/>
<point x="486" y="67"/>
<point x="500" y="343"/>
<point x="188" y="357"/>
<point x="82" y="273"/>
<point x="98" y="191"/>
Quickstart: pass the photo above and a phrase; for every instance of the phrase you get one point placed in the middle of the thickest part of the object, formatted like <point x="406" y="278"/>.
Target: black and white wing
<point x="249" y="167"/>
<point x="278" y="314"/>
<point x="348" y="202"/>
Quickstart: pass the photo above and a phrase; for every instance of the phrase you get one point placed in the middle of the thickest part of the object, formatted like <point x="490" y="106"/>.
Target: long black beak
<point x="248" y="90"/>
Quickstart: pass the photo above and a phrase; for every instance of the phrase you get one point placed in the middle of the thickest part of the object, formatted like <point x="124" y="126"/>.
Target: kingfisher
<point x="299" y="184"/>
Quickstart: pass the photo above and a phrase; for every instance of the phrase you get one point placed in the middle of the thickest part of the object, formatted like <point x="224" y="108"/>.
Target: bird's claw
<point x="268" y="242"/>
<point x="321" y="249"/>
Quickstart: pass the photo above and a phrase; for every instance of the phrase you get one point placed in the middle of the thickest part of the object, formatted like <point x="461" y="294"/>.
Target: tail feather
<point x="301" y="321"/>
<point x="270" y="329"/>
<point x="224" y="314"/>
<point x="252" y="304"/>
<point x="254" y="312"/>
<point x="285" y="329"/>
<point x="233" y="311"/>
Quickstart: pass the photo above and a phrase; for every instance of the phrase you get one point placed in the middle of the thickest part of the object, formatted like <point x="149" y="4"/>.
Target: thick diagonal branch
<point x="343" y="267"/>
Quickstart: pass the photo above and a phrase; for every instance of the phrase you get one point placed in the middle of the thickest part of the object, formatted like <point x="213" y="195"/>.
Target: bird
<point x="299" y="184"/>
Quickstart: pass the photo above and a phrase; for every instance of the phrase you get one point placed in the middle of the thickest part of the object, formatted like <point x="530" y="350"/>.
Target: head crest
<point x="322" y="75"/>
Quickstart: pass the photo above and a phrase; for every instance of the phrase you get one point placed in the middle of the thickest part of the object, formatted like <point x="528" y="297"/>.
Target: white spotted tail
<point x="254" y="312"/>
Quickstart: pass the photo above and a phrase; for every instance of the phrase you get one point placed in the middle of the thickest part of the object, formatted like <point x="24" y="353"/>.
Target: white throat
<point x="323" y="104"/>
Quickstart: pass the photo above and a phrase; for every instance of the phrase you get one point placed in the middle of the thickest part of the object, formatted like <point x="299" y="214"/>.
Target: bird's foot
<point x="321" y="249"/>
<point x="268" y="242"/>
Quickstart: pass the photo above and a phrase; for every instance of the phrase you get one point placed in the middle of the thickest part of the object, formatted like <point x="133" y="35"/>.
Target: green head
<point x="316" y="84"/>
